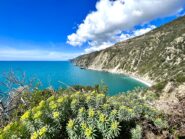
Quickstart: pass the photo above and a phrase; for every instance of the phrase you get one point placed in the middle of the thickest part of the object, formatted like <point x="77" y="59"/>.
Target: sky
<point x="53" y="30"/>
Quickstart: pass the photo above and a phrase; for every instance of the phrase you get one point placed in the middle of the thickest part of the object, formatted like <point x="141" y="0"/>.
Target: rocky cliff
<point x="158" y="55"/>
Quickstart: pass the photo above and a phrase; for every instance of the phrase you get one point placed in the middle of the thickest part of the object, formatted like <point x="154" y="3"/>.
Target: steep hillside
<point x="158" y="55"/>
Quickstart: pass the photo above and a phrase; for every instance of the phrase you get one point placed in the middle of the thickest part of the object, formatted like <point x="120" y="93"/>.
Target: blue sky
<point x="63" y="29"/>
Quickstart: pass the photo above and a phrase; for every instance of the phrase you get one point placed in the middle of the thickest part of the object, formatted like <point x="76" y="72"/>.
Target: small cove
<point x="50" y="73"/>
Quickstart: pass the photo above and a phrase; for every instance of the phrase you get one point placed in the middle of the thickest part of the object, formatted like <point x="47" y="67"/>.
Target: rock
<point x="150" y="135"/>
<point x="169" y="87"/>
<point x="181" y="91"/>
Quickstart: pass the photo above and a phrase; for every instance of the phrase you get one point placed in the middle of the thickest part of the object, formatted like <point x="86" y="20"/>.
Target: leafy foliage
<point x="160" y="86"/>
<point x="161" y="124"/>
<point x="84" y="115"/>
<point x="137" y="132"/>
<point x="180" y="78"/>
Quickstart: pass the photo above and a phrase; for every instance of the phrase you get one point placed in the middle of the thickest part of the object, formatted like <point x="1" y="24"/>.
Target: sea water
<point x="53" y="73"/>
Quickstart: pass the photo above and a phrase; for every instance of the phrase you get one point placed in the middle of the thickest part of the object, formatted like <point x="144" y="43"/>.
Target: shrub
<point x="160" y="86"/>
<point x="137" y="132"/>
<point x="83" y="115"/>
<point x="161" y="124"/>
<point x="180" y="78"/>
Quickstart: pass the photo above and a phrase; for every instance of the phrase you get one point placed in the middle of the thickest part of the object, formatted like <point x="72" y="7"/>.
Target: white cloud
<point x="95" y="47"/>
<point x="124" y="36"/>
<point x="111" y="18"/>
<point x="137" y="32"/>
<point x="143" y="30"/>
<point x="7" y="53"/>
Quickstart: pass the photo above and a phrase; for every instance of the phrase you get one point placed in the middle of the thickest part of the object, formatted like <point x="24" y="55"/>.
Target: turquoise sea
<point x="50" y="73"/>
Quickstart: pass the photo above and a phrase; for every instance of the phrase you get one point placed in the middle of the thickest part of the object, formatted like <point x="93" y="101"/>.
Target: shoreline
<point x="143" y="80"/>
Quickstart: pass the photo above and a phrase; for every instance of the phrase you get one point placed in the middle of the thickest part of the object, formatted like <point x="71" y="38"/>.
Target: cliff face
<point x="158" y="55"/>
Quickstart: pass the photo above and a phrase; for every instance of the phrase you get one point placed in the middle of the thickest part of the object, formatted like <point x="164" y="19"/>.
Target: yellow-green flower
<point x="7" y="128"/>
<point x="102" y="118"/>
<point x="105" y="106"/>
<point x="26" y="115"/>
<point x="52" y="105"/>
<point x="42" y="104"/>
<point x="40" y="107"/>
<point x="37" y="115"/>
<point x="88" y="132"/>
<point x="70" y="124"/>
<point x="66" y="97"/>
<point x="35" y="135"/>
<point x="35" y="109"/>
<point x="83" y="126"/>
<point x="51" y="99"/>
<point x="123" y="107"/>
<point x="60" y="100"/>
<point x="91" y="113"/>
<point x="74" y="102"/>
<point x="100" y="96"/>
<point x="42" y="131"/>
<point x="77" y="94"/>
<point x="114" y="112"/>
<point x="130" y="110"/>
<point x="88" y="98"/>
<point x="72" y="96"/>
<point x="56" y="115"/>
<point x="126" y="108"/>
<point x="114" y="125"/>
<point x="86" y="94"/>
<point x="81" y="110"/>
<point x="93" y="92"/>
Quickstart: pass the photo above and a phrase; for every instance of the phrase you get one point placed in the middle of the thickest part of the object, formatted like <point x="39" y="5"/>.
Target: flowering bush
<point x="85" y="115"/>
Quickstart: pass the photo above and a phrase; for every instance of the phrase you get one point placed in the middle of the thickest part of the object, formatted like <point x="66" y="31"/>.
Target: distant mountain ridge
<point x="156" y="56"/>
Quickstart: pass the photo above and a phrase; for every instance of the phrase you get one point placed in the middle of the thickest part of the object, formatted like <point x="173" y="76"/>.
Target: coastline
<point x="149" y="84"/>
<point x="143" y="80"/>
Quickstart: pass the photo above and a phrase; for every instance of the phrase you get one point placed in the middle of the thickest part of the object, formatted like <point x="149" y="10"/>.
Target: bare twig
<point x="15" y="86"/>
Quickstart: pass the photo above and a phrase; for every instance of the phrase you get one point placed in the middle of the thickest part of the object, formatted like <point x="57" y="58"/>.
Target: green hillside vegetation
<point x="158" y="55"/>
<point x="88" y="115"/>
